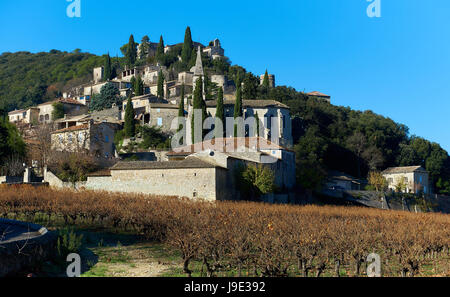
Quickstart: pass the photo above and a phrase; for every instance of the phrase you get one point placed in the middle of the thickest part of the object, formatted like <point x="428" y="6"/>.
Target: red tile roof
<point x="317" y="94"/>
<point x="73" y="128"/>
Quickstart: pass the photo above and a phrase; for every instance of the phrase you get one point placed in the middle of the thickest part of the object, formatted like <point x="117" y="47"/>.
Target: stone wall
<point x="198" y="183"/>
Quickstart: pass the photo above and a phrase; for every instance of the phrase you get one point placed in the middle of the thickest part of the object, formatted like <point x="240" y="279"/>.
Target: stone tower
<point x="198" y="70"/>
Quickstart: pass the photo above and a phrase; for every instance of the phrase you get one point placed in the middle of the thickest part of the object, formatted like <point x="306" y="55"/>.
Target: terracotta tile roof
<point x="227" y="145"/>
<point x="317" y="94"/>
<point x="250" y="103"/>
<point x="73" y="128"/>
<point x="70" y="101"/>
<point x="407" y="169"/>
<point x="16" y="111"/>
<point x="142" y="165"/>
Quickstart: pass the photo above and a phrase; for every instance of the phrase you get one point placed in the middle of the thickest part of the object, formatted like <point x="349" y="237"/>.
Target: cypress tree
<point x="257" y="124"/>
<point x="160" y="50"/>
<point x="238" y="111"/>
<point x="129" y="126"/>
<point x="160" y="91"/>
<point x="266" y="81"/>
<point x="181" y="108"/>
<point x="220" y="113"/>
<point x="131" y="53"/>
<point x="138" y="86"/>
<point x="133" y="85"/>
<point x="108" y="68"/>
<point x="198" y="103"/>
<point x="186" y="52"/>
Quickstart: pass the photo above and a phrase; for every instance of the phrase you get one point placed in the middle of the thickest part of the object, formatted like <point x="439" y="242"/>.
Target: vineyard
<point x="249" y="239"/>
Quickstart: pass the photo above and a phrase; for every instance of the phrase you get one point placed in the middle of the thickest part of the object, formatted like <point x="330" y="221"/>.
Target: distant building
<point x="319" y="95"/>
<point x="271" y="80"/>
<point x="341" y="181"/>
<point x="214" y="50"/>
<point x="209" y="174"/>
<point x="43" y="112"/>
<point x="416" y="178"/>
<point x="27" y="116"/>
<point x="95" y="138"/>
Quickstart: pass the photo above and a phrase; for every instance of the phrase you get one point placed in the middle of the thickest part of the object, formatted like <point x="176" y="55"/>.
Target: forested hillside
<point x="27" y="79"/>
<point x="326" y="136"/>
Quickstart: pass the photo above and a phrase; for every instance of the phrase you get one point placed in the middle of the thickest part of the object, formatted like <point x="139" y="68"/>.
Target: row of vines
<point x="250" y="239"/>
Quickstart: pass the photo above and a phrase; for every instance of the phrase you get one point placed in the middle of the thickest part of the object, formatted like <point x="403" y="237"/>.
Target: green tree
<point x="238" y="108"/>
<point x="138" y="86"/>
<point x="144" y="47"/>
<point x="309" y="153"/>
<point x="187" y="46"/>
<point x="109" y="95"/>
<point x="255" y="181"/>
<point x="11" y="142"/>
<point x="160" y="50"/>
<point x="266" y="83"/>
<point x="220" y="114"/>
<point x="198" y="104"/>
<point x="108" y="68"/>
<point x="250" y="90"/>
<point x="129" y="126"/>
<point x="131" y="52"/>
<point x="58" y="111"/>
<point x="257" y="124"/>
<point x="160" y="90"/>
<point x="181" y="108"/>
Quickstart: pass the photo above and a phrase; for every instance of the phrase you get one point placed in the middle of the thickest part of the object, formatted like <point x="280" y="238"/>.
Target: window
<point x="421" y="179"/>
<point x="47" y="117"/>
<point x="70" y="138"/>
<point x="41" y="118"/>
<point x="158" y="110"/>
<point x="106" y="138"/>
<point x="159" y="121"/>
<point x="80" y="137"/>
<point x="60" y="138"/>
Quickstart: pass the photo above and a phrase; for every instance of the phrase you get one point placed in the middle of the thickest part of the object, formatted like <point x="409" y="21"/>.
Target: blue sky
<point x="397" y="65"/>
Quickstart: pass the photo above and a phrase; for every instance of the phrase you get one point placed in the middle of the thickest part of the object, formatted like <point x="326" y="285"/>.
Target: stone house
<point x="43" y="112"/>
<point x="71" y="108"/>
<point x="416" y="179"/>
<point x="208" y="174"/>
<point x="319" y="95"/>
<point x="95" y="138"/>
<point x="27" y="116"/>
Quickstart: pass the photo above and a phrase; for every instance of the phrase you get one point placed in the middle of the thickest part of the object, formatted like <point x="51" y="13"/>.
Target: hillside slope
<point x="27" y="79"/>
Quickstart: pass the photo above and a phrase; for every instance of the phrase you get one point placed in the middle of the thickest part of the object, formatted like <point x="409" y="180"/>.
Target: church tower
<point x="198" y="70"/>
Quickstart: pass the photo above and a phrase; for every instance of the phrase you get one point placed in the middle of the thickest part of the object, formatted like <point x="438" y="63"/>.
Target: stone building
<point x="95" y="138"/>
<point x="319" y="95"/>
<point x="214" y="50"/>
<point x="43" y="112"/>
<point x="274" y="116"/>
<point x="98" y="74"/>
<point x="208" y="174"/>
<point x="415" y="179"/>
<point x="271" y="80"/>
<point x="27" y="116"/>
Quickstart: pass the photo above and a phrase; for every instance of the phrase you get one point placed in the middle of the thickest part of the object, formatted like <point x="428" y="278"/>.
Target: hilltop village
<point x="125" y="119"/>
